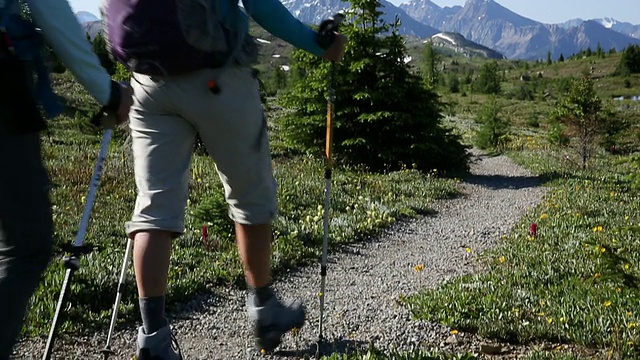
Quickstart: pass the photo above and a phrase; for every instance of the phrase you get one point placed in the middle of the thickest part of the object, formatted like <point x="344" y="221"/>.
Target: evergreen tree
<point x="584" y="117"/>
<point x="561" y="58"/>
<point x="630" y="60"/>
<point x="494" y="128"/>
<point x="588" y="52"/>
<point x="488" y="81"/>
<point x="100" y="48"/>
<point x="549" y="61"/>
<point x="454" y="84"/>
<point x="430" y="61"/>
<point x="385" y="118"/>
<point x="599" y="51"/>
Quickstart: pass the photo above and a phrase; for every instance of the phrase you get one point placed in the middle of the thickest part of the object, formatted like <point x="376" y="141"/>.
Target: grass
<point x="362" y="204"/>
<point x="575" y="281"/>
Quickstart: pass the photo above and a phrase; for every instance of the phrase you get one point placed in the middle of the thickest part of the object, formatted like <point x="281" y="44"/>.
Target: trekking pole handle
<point x="327" y="29"/>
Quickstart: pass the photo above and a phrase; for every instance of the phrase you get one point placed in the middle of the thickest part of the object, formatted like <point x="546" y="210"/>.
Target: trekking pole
<point x="72" y="262"/>
<point x="106" y="351"/>
<point x="326" y="35"/>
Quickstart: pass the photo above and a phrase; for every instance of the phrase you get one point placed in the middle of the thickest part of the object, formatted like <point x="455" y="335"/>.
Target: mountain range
<point x="613" y="24"/>
<point x="484" y="22"/>
<point x="490" y="24"/>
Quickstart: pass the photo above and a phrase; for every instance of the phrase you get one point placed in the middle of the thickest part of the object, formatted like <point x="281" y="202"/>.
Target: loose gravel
<point x="364" y="282"/>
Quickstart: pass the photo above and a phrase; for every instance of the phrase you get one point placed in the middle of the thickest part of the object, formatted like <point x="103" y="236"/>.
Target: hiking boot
<point x="273" y="320"/>
<point x="161" y="345"/>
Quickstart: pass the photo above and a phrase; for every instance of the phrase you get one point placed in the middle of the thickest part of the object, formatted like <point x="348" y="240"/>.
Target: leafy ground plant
<point x="574" y="279"/>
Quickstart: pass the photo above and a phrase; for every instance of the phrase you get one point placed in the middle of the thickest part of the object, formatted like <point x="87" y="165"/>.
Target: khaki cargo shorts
<point x="167" y="114"/>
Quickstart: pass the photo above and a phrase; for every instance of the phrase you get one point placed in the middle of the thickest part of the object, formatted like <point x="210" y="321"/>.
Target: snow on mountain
<point x="85" y="16"/>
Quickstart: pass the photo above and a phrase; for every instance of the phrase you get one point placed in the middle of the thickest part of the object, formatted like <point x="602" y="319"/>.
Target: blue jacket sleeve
<point x="63" y="32"/>
<point x="276" y="19"/>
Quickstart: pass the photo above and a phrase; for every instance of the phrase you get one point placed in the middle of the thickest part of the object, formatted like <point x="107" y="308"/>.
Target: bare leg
<point x="254" y="245"/>
<point x="151" y="254"/>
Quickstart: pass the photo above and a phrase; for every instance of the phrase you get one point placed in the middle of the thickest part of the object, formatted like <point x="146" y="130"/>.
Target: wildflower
<point x="263" y="351"/>
<point x="543" y="216"/>
<point x="618" y="290"/>
<point x="468" y="250"/>
<point x="626" y="217"/>
<point x="418" y="268"/>
<point x="631" y="325"/>
<point x="550" y="320"/>
<point x="533" y="229"/>
<point x="596" y="275"/>
<point x="597" y="228"/>
<point x="627" y="266"/>
<point x="629" y="313"/>
<point x="607" y="303"/>
<point x="454" y="332"/>
<point x="502" y="259"/>
<point x="613" y="193"/>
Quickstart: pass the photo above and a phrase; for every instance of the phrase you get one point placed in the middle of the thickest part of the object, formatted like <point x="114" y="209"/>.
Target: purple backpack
<point x="170" y="37"/>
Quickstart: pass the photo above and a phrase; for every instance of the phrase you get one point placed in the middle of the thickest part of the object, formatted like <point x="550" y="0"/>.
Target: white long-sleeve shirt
<point x="64" y="34"/>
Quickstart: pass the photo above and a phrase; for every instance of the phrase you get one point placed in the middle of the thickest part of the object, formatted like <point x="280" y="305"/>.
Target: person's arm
<point x="64" y="34"/>
<point x="276" y="19"/>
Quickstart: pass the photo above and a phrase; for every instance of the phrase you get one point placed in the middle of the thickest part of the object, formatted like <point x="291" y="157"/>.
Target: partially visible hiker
<point x="192" y="75"/>
<point x="26" y="228"/>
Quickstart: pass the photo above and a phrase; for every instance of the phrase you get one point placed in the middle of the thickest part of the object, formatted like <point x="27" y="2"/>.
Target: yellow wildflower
<point x="596" y="275"/>
<point x="502" y="259"/>
<point x="454" y="332"/>
<point x="543" y="216"/>
<point x="607" y="303"/>
<point x="418" y="268"/>
<point x="468" y="250"/>
<point x="631" y="325"/>
<point x="597" y="228"/>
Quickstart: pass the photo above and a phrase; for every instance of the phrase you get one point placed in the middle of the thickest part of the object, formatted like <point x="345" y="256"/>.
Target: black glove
<point x="327" y="30"/>
<point x="112" y="106"/>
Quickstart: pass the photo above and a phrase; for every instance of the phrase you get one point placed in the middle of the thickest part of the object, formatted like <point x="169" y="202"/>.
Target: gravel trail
<point x="364" y="282"/>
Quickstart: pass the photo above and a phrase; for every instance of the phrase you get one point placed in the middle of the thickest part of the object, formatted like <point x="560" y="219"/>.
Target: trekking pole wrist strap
<point x="114" y="98"/>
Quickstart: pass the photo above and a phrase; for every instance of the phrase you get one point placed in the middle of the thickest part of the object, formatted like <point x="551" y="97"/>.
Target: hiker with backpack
<point x="26" y="225"/>
<point x="191" y="75"/>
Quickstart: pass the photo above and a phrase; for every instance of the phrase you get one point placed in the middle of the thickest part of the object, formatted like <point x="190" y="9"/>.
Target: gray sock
<point x="262" y="295"/>
<point x="152" y="311"/>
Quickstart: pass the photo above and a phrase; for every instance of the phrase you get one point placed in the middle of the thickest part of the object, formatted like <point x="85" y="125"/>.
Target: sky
<point x="546" y="11"/>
